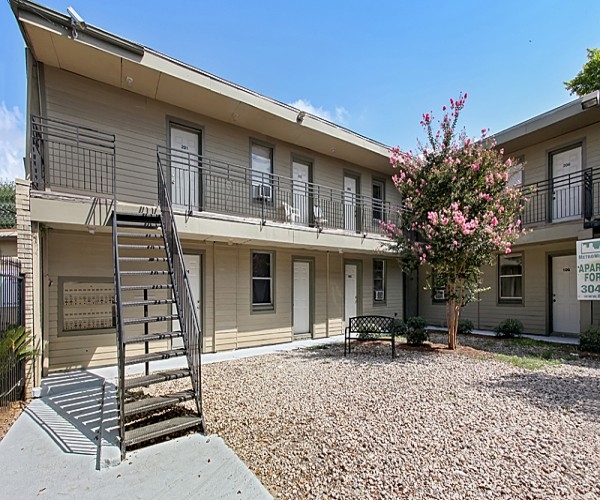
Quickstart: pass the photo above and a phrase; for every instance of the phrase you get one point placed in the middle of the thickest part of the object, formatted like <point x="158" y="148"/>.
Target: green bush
<point x="465" y="326"/>
<point x="590" y="339"/>
<point x="509" y="328"/>
<point x="416" y="333"/>
<point x="14" y="346"/>
<point x="399" y="327"/>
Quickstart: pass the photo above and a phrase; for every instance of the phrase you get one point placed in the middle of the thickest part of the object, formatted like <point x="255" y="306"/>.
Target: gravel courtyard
<point x="313" y="424"/>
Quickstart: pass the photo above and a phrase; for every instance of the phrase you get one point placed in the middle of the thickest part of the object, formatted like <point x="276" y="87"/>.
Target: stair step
<point x="159" y="429"/>
<point x="141" y="225"/>
<point x="146" y="273"/>
<point x="149" y="319"/>
<point x="156" y="378"/>
<point x="154" y="356"/>
<point x="140" y="235"/>
<point x="143" y="259"/>
<point x="157" y="403"/>
<point x="150" y="337"/>
<point x="142" y="247"/>
<point x="154" y="302"/>
<point x="129" y="288"/>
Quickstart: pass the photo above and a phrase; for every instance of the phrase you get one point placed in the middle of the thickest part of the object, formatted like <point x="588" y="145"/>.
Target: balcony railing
<point x="74" y="158"/>
<point x="204" y="184"/>
<point x="563" y="198"/>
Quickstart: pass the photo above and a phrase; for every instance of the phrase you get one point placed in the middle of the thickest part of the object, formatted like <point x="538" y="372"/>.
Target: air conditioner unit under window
<point x="440" y="294"/>
<point x="262" y="191"/>
<point x="379" y="295"/>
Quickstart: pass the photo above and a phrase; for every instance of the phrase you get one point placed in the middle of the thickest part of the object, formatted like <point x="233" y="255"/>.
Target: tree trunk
<point x="452" y="312"/>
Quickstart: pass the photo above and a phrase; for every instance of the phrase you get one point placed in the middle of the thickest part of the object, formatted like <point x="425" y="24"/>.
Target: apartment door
<point x="301" y="298"/>
<point x="565" y="306"/>
<point x="350" y="212"/>
<point x="300" y="192"/>
<point x="350" y="292"/>
<point x="185" y="168"/>
<point x="192" y="264"/>
<point x="567" y="185"/>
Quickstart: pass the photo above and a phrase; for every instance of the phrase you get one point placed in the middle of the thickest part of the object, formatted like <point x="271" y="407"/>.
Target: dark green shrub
<point x="509" y="328"/>
<point x="465" y="326"/>
<point x="416" y="333"/>
<point x="590" y="339"/>
<point x="399" y="327"/>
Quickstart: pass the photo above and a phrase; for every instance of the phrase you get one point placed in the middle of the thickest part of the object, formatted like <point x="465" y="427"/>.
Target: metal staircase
<point x="156" y="321"/>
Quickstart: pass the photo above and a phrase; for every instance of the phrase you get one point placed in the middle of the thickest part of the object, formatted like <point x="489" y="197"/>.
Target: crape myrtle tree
<point x="588" y="79"/>
<point x="460" y="209"/>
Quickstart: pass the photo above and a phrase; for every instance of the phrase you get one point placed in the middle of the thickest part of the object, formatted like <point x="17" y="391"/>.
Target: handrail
<point x="188" y="319"/>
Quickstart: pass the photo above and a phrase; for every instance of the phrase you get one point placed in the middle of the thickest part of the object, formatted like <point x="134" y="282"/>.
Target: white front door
<point x="565" y="306"/>
<point x="300" y="179"/>
<point x="567" y="185"/>
<point x="192" y="264"/>
<point x="350" y="292"/>
<point x="350" y="203"/>
<point x="301" y="298"/>
<point x="185" y="171"/>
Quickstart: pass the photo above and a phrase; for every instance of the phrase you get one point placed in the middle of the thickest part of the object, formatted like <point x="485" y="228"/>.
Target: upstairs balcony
<point x="80" y="160"/>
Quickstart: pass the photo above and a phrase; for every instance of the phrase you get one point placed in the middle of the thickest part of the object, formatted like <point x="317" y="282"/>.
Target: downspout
<point x="214" y="299"/>
<point x="327" y="299"/>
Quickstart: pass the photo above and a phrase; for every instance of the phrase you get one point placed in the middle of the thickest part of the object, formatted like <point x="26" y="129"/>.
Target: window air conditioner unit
<point x="440" y="294"/>
<point x="379" y="294"/>
<point x="262" y="191"/>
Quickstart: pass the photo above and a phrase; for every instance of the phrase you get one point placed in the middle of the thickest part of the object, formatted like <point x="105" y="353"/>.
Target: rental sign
<point x="588" y="269"/>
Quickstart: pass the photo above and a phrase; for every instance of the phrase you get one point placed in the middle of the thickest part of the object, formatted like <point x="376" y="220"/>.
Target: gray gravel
<point x="313" y="424"/>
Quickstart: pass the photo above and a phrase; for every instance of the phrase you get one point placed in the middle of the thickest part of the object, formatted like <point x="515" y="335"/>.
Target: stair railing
<point x="120" y="334"/>
<point x="186" y="309"/>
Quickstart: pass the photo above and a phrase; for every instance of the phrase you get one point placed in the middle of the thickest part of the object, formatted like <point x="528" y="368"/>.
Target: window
<point x="510" y="278"/>
<point x="438" y="290"/>
<point x="378" y="199"/>
<point x="379" y="281"/>
<point x="262" y="280"/>
<point x="515" y="173"/>
<point x="262" y="171"/>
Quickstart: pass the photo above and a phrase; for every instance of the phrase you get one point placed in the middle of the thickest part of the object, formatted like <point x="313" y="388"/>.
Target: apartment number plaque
<point x="87" y="305"/>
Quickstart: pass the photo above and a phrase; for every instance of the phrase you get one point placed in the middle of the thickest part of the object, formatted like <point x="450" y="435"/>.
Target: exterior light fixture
<point x="590" y="100"/>
<point x="300" y="116"/>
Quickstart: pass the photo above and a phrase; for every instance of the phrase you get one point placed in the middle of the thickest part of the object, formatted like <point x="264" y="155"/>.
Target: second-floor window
<point x="261" y="159"/>
<point x="378" y="198"/>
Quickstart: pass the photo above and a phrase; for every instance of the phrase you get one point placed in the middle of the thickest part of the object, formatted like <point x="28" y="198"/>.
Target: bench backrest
<point x="371" y="324"/>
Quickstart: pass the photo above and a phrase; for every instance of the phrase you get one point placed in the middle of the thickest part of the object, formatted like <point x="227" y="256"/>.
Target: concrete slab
<point x="48" y="454"/>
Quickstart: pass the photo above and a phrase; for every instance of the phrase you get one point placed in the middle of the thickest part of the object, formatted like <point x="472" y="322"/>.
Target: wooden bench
<point x="365" y="328"/>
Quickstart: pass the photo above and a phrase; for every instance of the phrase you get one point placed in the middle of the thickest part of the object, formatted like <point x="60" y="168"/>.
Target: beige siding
<point x="8" y="246"/>
<point x="140" y="124"/>
<point x="489" y="312"/>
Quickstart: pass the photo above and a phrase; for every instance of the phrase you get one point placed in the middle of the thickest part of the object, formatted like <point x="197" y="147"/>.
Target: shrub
<point x="465" y="326"/>
<point x="399" y="327"/>
<point x="590" y="339"/>
<point x="416" y="333"/>
<point x="509" y="328"/>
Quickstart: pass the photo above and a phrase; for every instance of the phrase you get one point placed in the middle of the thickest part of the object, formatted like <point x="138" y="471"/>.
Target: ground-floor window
<point x="510" y="278"/>
<point x="262" y="280"/>
<point x="379" y="281"/>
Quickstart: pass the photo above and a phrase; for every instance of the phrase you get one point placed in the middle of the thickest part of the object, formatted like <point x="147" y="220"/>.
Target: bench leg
<point x="393" y="346"/>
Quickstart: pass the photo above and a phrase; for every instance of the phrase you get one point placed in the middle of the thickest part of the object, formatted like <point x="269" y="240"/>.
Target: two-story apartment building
<point x="537" y="283"/>
<point x="277" y="210"/>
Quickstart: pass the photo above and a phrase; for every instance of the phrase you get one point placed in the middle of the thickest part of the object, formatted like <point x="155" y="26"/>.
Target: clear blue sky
<point x="373" y="66"/>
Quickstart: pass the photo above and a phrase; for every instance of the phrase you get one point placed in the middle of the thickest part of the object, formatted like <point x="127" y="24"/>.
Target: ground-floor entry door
<point x="565" y="306"/>
<point x="185" y="167"/>
<point x="350" y="292"/>
<point x="192" y="264"/>
<point x="301" y="298"/>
